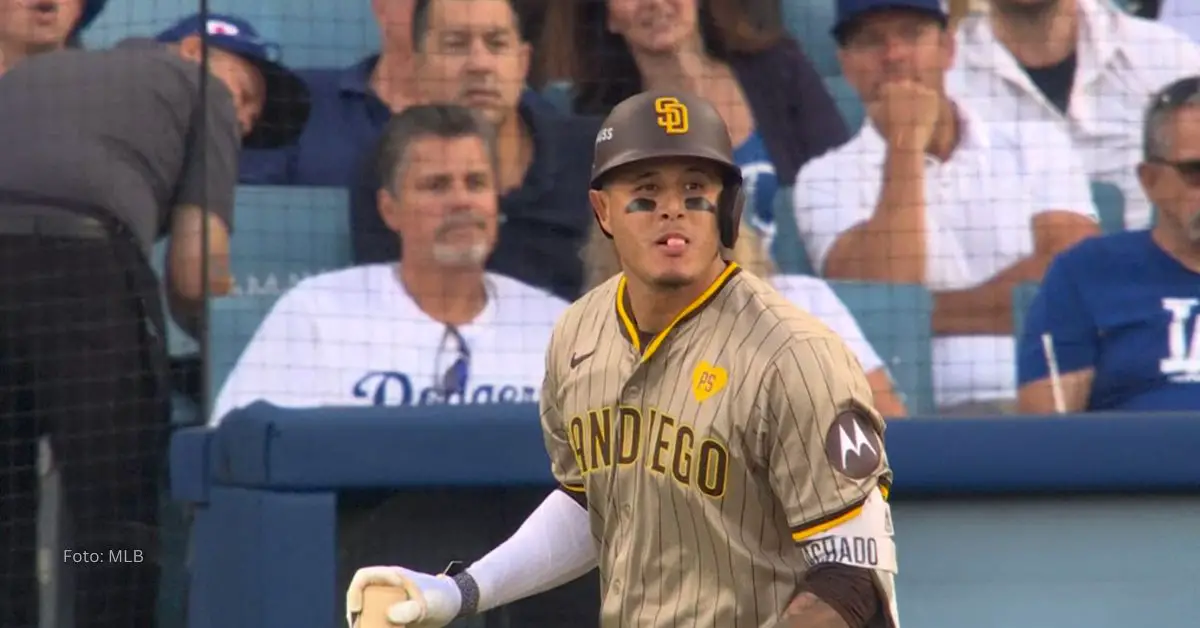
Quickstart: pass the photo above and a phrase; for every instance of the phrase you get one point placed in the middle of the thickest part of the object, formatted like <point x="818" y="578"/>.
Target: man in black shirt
<point x="105" y="152"/>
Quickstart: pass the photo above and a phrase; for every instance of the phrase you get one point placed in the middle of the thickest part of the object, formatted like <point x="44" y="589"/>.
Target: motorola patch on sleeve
<point x="852" y="445"/>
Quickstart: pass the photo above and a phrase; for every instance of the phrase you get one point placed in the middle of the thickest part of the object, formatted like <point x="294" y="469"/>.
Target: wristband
<point x="468" y="589"/>
<point x="470" y="594"/>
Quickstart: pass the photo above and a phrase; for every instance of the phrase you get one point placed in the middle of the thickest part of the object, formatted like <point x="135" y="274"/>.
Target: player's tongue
<point x="673" y="243"/>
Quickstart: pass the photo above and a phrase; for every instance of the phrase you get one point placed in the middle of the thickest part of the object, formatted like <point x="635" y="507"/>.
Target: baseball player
<point x="717" y="450"/>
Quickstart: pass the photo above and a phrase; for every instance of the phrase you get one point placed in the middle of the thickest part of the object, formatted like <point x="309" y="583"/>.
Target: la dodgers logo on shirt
<point x="392" y="388"/>
<point x="1182" y="364"/>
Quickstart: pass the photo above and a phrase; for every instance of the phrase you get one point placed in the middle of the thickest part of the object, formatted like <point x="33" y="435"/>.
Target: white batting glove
<point x="433" y="601"/>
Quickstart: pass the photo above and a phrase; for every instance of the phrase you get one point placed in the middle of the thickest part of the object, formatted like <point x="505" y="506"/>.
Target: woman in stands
<point x="810" y="294"/>
<point x="733" y="52"/>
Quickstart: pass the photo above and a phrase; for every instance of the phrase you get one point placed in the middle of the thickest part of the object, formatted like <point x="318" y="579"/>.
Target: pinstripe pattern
<point x="697" y="527"/>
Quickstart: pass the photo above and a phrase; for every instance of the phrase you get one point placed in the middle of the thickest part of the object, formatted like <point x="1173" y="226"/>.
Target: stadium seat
<point x="233" y="321"/>
<point x="788" y="249"/>
<point x="282" y="234"/>
<point x="1110" y="205"/>
<point x="809" y="22"/>
<point x="896" y="320"/>
<point x="1022" y="298"/>
<point x="317" y="33"/>
<point x="847" y="101"/>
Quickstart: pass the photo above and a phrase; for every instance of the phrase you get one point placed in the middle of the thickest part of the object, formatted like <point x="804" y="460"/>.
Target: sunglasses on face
<point x="1181" y="93"/>
<point x="1188" y="170"/>
<point x="454" y="353"/>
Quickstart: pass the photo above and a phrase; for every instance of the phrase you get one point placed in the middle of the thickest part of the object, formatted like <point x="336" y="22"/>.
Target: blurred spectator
<point x="810" y="294"/>
<point x="1084" y="65"/>
<point x="776" y="106"/>
<point x="929" y="193"/>
<point x="1182" y="15"/>
<point x="472" y="52"/>
<point x="105" y="156"/>
<point x="29" y="27"/>
<point x="436" y="328"/>
<point x="1121" y="312"/>
<point x="350" y="106"/>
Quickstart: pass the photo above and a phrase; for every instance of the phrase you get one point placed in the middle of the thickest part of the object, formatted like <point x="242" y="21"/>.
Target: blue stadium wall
<point x="1029" y="522"/>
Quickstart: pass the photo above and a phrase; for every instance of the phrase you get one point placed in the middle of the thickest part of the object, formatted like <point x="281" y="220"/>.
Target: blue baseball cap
<point x="850" y="11"/>
<point x="286" y="105"/>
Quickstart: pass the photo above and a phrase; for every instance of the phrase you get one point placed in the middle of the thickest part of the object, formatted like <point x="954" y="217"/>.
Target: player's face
<point x="445" y="203"/>
<point x="655" y="26"/>
<point x="37" y="25"/>
<point x="662" y="215"/>
<point x="896" y="46"/>
<point x="473" y="56"/>
<point x="1172" y="182"/>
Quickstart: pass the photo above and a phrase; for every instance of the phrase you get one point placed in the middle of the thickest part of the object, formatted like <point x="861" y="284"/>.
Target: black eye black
<point x="641" y="205"/>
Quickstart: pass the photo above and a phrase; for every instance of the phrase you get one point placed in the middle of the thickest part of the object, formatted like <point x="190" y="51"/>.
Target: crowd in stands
<point x="967" y="168"/>
<point x="970" y="176"/>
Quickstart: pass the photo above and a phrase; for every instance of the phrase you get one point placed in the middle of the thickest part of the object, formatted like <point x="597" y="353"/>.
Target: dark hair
<point x="417" y="121"/>
<point x="1182" y="93"/>
<point x="420" y="21"/>
<point x="576" y="46"/>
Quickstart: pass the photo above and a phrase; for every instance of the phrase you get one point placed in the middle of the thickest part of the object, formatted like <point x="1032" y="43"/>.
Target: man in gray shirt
<point x="101" y="154"/>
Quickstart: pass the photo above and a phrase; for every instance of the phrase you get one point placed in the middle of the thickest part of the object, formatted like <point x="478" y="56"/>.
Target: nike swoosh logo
<point x="576" y="360"/>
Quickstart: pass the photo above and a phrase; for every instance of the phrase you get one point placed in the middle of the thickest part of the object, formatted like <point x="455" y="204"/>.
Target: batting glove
<point x="433" y="601"/>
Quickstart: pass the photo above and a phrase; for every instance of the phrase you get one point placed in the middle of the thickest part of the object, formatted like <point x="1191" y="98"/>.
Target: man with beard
<point x="436" y="328"/>
<point x="473" y="53"/>
<point x="930" y="192"/>
<point x="29" y="27"/>
<point x="1084" y="65"/>
<point x="1121" y="312"/>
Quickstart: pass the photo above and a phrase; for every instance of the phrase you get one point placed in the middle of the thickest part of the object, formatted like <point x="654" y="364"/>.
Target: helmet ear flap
<point x="729" y="217"/>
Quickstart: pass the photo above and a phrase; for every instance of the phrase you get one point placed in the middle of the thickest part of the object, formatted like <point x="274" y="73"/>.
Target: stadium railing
<point x="1029" y="521"/>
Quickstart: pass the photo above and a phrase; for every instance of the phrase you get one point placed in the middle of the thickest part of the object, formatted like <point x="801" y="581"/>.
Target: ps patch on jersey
<point x="852" y="444"/>
<point x="708" y="380"/>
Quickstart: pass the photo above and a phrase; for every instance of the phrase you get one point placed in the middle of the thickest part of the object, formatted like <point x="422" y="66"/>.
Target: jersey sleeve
<point x="1058" y="312"/>
<point x="816" y="297"/>
<point x="563" y="463"/>
<point x="281" y="364"/>
<point x="824" y="446"/>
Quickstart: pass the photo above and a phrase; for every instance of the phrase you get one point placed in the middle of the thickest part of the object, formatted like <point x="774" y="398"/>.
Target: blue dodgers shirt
<point x="343" y="126"/>
<point x="1120" y="305"/>
<point x="761" y="183"/>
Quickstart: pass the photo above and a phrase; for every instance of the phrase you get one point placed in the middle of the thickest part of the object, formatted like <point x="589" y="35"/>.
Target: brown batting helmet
<point x="660" y="124"/>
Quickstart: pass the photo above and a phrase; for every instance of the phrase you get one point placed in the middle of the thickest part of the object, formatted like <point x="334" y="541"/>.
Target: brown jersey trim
<point x="628" y="325"/>
<point x="577" y="493"/>
<point x="833" y="519"/>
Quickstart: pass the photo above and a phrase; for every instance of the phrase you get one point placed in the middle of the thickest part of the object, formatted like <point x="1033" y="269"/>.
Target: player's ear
<point x="601" y="208"/>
